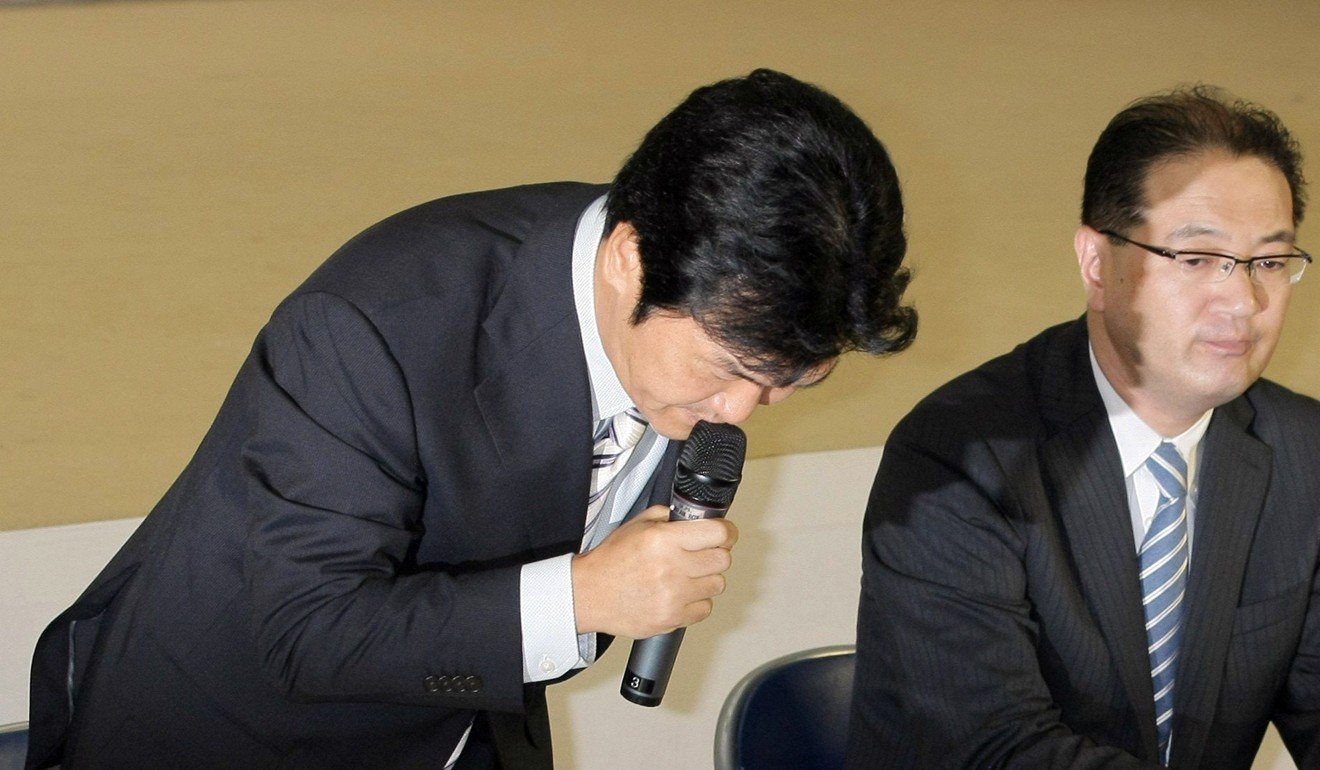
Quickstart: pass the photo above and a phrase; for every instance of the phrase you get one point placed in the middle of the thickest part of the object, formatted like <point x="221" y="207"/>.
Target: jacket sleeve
<point x="335" y="494"/>
<point x="947" y="671"/>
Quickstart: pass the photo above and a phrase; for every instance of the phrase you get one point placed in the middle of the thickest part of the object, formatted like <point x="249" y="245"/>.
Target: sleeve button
<point x="431" y="683"/>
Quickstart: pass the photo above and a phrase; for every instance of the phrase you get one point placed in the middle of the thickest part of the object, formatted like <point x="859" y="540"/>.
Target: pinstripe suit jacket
<point x="334" y="579"/>
<point x="1000" y="622"/>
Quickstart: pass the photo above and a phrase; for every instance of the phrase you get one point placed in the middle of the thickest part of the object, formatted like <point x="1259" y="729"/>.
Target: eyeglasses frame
<point x="1173" y="254"/>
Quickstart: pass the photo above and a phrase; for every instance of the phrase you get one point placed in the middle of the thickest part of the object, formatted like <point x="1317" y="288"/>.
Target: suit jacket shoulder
<point x="1008" y="406"/>
<point x="446" y="245"/>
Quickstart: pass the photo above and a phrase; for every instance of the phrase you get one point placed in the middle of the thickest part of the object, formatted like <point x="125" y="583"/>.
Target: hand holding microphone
<point x="709" y="469"/>
<point x="660" y="570"/>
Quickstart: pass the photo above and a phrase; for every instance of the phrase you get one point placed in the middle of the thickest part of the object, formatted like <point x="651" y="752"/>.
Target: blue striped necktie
<point x="1163" y="560"/>
<point x="615" y="439"/>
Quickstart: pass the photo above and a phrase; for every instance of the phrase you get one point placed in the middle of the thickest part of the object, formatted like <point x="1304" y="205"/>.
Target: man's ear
<point x="1092" y="249"/>
<point x="620" y="260"/>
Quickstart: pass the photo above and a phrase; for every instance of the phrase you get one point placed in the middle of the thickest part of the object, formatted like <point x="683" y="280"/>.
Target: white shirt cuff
<point x="550" y="641"/>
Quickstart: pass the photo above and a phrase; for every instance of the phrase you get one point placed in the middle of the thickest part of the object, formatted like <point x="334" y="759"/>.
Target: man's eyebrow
<point x="736" y="368"/>
<point x="1193" y="230"/>
<point x="796" y="382"/>
<point x="820" y="379"/>
<point x="1282" y="236"/>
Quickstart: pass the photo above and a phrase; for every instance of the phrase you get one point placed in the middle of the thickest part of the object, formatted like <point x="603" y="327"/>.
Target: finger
<point x="655" y="512"/>
<point x="730" y="534"/>
<point x="713" y="585"/>
<point x="697" y="611"/>
<point x="706" y="533"/>
<point x="710" y="561"/>
<point x="702" y="588"/>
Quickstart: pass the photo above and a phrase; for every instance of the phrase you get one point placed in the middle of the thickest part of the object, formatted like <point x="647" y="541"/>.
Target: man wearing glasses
<point x="1100" y="550"/>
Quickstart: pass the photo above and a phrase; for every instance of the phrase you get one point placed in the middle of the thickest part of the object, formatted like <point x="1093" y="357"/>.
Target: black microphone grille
<point x="710" y="463"/>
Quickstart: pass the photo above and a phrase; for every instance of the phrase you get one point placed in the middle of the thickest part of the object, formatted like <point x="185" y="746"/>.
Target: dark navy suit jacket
<point x="333" y="580"/>
<point x="1001" y="622"/>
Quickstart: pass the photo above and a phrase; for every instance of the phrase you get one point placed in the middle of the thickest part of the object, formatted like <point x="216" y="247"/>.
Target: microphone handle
<point x="649" y="666"/>
<point x="652" y="659"/>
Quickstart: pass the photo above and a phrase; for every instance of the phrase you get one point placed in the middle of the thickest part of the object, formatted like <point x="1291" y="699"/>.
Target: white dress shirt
<point x="551" y="644"/>
<point x="1136" y="442"/>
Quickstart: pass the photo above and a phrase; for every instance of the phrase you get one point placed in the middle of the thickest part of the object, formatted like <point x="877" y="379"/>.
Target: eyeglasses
<point x="1273" y="270"/>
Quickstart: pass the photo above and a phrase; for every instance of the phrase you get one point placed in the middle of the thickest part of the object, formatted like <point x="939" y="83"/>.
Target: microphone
<point x="709" y="469"/>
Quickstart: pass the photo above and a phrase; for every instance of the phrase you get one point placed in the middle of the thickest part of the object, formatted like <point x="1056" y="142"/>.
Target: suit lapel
<point x="1233" y="480"/>
<point x="533" y="390"/>
<point x="1085" y="479"/>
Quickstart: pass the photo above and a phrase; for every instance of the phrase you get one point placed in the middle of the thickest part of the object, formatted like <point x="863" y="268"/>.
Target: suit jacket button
<point x="474" y="684"/>
<point x="460" y="683"/>
<point x="446" y="684"/>
<point x="431" y="683"/>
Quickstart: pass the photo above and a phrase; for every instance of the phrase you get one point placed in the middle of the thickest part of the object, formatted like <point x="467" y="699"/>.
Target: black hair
<point x="767" y="211"/>
<point x="1181" y="123"/>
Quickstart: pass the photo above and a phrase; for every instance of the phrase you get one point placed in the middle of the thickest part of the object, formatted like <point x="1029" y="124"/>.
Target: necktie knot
<point x="1169" y="468"/>
<point x="615" y="440"/>
<point x="627" y="427"/>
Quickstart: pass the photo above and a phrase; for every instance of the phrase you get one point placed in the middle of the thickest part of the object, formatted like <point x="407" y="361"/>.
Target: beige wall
<point x="169" y="170"/>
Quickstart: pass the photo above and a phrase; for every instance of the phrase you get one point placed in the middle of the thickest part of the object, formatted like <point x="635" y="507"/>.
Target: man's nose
<point x="737" y="402"/>
<point x="1239" y="295"/>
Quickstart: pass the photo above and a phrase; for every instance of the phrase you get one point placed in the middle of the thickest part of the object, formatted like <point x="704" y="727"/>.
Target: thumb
<point x="659" y="512"/>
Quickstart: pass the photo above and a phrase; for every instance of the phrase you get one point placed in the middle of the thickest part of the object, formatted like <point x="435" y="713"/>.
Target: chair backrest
<point x="13" y="745"/>
<point x="789" y="713"/>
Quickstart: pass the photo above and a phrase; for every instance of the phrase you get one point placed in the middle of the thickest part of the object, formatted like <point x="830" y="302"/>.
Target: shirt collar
<point x="1137" y="440"/>
<point x="608" y="397"/>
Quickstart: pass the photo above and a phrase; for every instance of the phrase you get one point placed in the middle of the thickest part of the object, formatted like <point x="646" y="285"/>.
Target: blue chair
<point x="13" y="745"/>
<point x="789" y="713"/>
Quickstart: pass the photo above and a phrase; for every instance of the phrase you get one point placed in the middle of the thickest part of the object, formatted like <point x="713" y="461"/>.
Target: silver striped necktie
<point x="615" y="439"/>
<point x="1163" y="561"/>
